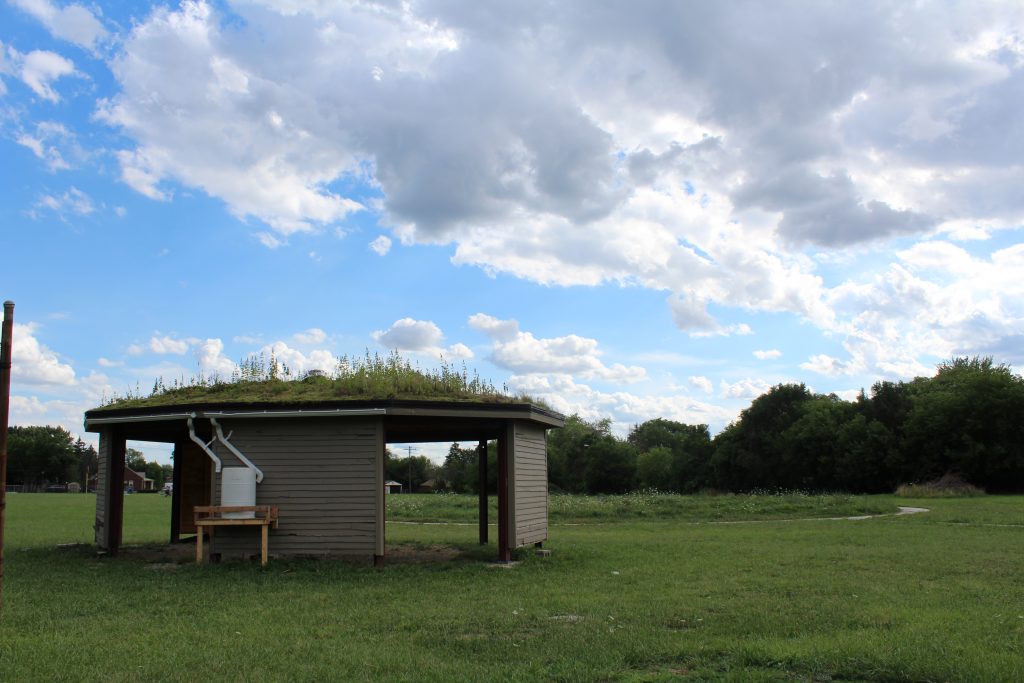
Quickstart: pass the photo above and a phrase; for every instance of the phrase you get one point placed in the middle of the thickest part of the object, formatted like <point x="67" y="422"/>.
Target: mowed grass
<point x="655" y="597"/>
<point x="568" y="508"/>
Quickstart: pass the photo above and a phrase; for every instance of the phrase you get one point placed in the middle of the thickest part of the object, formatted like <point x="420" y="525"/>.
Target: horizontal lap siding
<point x="320" y="473"/>
<point x="531" y="484"/>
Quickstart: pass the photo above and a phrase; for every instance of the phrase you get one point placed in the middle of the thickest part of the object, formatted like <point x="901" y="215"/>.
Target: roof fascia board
<point x="159" y="417"/>
<point x="494" y="414"/>
<point x="398" y="411"/>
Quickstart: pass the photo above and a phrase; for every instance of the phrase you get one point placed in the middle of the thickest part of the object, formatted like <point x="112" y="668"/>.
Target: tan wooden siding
<point x="102" y="488"/>
<point x="530" y="484"/>
<point x="321" y="473"/>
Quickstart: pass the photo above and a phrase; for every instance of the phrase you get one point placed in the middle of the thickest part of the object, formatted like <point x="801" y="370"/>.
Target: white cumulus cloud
<point x="210" y="356"/>
<point x="747" y="388"/>
<point x="169" y="345"/>
<point x="313" y="335"/>
<point x="34" y="363"/>
<point x="420" y="336"/>
<point x="72" y="22"/>
<point x="299" y="363"/>
<point x="574" y="145"/>
<point x="523" y="353"/>
<point x="625" y="408"/>
<point x="40" y="68"/>
<point x="702" y="383"/>
<point x="381" y="246"/>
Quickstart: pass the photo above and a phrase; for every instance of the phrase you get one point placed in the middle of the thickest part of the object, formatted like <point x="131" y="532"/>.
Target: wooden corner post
<point x="115" y="491"/>
<point x="481" y="450"/>
<point x="504" y="547"/>
<point x="378" y="477"/>
<point x="6" y="334"/>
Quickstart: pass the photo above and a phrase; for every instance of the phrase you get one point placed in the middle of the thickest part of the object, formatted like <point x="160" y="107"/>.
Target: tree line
<point x="967" y="420"/>
<point x="39" y="457"/>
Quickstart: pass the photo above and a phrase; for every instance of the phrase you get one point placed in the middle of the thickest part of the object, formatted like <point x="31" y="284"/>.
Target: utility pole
<point x="6" y="333"/>
<point x="410" y="460"/>
<point x="409" y="450"/>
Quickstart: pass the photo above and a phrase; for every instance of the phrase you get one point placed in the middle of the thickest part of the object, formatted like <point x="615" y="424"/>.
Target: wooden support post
<point x="115" y="494"/>
<point x="5" y="399"/>
<point x="504" y="548"/>
<point x="481" y="450"/>
<point x="177" y="455"/>
<point x="380" y="527"/>
<point x="199" y="545"/>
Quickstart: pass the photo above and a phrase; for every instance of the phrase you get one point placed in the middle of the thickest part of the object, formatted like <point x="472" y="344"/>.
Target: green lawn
<point x="635" y="590"/>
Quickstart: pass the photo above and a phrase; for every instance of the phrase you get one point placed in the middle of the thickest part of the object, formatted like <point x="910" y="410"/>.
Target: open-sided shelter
<point x="322" y="465"/>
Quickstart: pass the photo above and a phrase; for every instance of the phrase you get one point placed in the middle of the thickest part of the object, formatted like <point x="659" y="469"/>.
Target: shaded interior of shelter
<point x="194" y="477"/>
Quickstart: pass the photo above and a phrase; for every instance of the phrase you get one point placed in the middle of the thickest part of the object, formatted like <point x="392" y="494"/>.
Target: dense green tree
<point x="867" y="452"/>
<point x="654" y="469"/>
<point x="808" y="449"/>
<point x="691" y="450"/>
<point x="610" y="466"/>
<point x="967" y="420"/>
<point x="691" y="465"/>
<point x="461" y="469"/>
<point x="135" y="460"/>
<point x="751" y="452"/>
<point x="40" y="455"/>
<point x="87" y="462"/>
<point x="411" y="471"/>
<point x="568" y="454"/>
<point x="156" y="472"/>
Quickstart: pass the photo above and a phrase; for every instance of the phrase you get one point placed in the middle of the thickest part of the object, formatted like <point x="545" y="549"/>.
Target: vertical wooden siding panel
<point x="531" y="484"/>
<point x="320" y="472"/>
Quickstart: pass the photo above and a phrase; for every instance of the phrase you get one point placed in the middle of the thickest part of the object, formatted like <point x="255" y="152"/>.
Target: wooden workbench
<point x="212" y="516"/>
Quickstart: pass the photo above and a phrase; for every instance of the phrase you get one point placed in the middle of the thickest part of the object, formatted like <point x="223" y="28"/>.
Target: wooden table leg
<point x="199" y="545"/>
<point x="263" y="539"/>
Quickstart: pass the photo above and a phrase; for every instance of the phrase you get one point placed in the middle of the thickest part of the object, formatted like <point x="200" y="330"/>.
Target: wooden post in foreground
<point x="504" y="545"/>
<point x="481" y="453"/>
<point x="6" y="334"/>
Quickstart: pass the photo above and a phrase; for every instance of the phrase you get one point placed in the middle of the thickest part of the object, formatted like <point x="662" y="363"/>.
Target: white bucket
<point x="238" y="487"/>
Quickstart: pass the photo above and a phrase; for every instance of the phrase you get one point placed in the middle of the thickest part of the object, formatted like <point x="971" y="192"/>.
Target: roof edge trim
<point x="153" y="417"/>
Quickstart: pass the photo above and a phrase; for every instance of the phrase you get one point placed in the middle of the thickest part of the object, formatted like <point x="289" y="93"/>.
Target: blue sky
<point x="630" y="210"/>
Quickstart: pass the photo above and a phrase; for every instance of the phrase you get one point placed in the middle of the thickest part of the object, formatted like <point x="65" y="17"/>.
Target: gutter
<point x="294" y="413"/>
<point x="231" y="447"/>
<point x="205" y="446"/>
<point x="298" y="412"/>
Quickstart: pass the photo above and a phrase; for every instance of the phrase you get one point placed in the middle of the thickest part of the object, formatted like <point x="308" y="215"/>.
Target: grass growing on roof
<point x="373" y="377"/>
<point x="935" y="596"/>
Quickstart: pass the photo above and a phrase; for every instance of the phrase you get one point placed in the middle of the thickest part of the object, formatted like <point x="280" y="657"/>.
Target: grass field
<point x="636" y="589"/>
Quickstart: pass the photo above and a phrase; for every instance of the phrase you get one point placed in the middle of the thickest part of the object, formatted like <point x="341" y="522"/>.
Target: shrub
<point x="947" y="486"/>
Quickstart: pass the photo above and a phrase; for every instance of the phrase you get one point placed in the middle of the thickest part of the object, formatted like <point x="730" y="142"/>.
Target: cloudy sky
<point x="630" y="210"/>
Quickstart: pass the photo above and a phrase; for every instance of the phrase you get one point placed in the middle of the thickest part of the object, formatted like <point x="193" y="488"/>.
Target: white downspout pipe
<point x="204" y="446"/>
<point x="231" y="447"/>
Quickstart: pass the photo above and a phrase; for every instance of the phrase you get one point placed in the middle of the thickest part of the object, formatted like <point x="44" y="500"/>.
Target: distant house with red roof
<point x="136" y="481"/>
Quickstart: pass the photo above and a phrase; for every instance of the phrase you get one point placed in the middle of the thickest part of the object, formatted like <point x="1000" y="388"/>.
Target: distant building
<point x="392" y="486"/>
<point x="136" y="481"/>
<point x="322" y="463"/>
